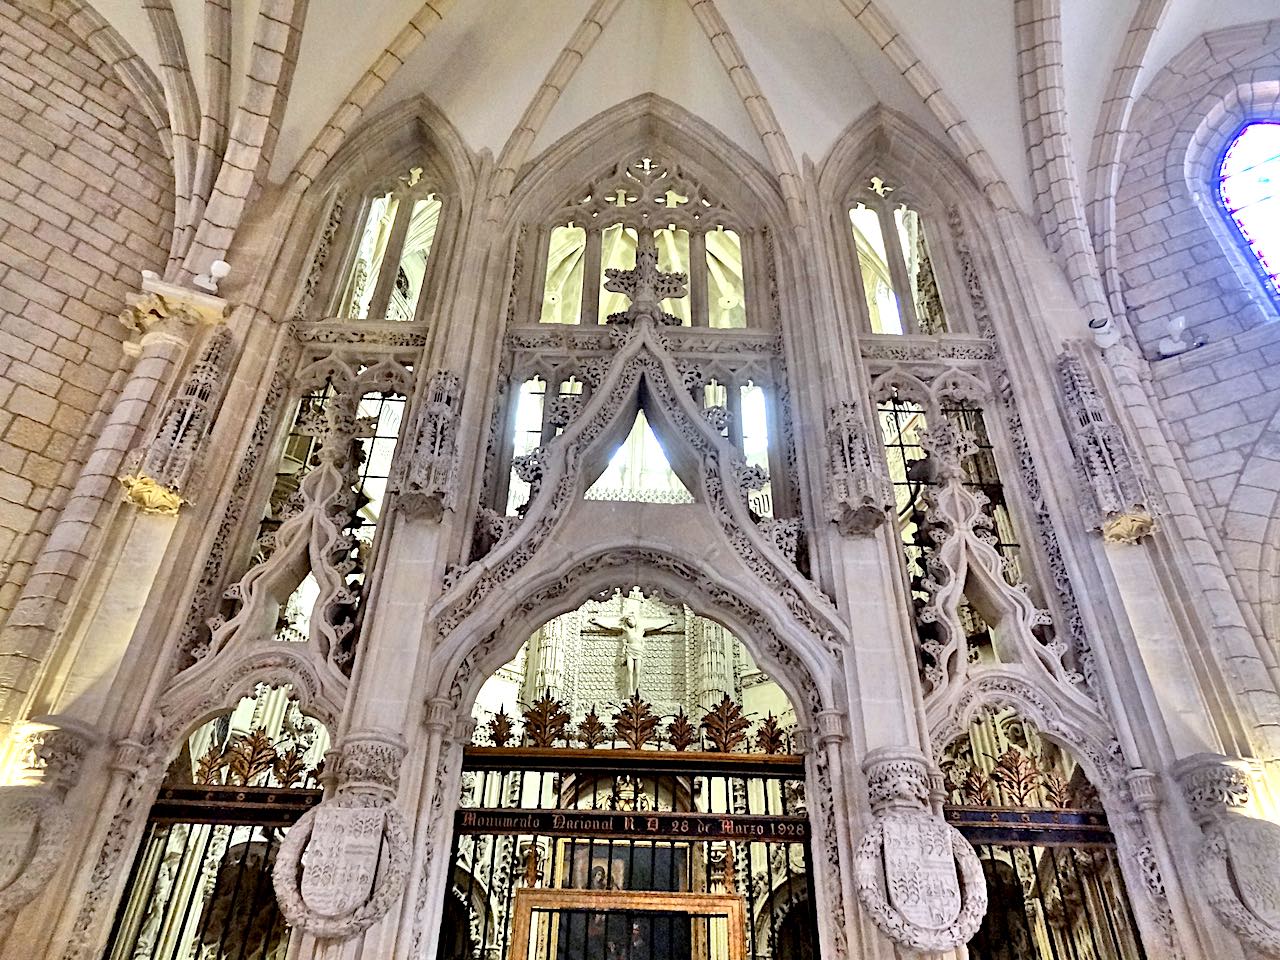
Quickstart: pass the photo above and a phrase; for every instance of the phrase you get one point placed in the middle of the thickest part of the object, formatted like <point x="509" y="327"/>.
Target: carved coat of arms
<point x="341" y="859"/>
<point x="1253" y="848"/>
<point x="920" y="869"/>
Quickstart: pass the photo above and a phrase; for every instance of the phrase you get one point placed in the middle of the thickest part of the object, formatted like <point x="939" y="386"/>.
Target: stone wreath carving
<point x="357" y="851"/>
<point x="1239" y="853"/>
<point x="356" y="847"/>
<point x="915" y="874"/>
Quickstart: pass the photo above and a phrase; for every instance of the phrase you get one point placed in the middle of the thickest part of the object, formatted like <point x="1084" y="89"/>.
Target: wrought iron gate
<point x="201" y="884"/>
<point x="574" y="852"/>
<point x="1055" y="891"/>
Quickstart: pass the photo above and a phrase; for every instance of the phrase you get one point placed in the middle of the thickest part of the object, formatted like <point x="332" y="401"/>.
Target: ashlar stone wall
<point x="1177" y="255"/>
<point x="86" y="202"/>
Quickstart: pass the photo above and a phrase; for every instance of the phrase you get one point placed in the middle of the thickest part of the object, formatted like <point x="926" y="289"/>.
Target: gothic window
<point x="387" y="272"/>
<point x="1249" y="187"/>
<point x="201" y="883"/>
<point x="895" y="267"/>
<point x="598" y="231"/>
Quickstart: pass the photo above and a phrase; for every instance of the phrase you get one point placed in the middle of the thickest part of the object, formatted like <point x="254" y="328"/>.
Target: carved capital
<point x="897" y="777"/>
<point x="55" y="750"/>
<point x="441" y="712"/>
<point x="169" y="310"/>
<point x="369" y="763"/>
<point x="831" y="727"/>
<point x="1212" y="785"/>
<point x="1144" y="785"/>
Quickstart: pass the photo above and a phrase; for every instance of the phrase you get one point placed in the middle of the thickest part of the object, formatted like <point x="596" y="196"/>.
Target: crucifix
<point x="646" y="285"/>
<point x="633" y="629"/>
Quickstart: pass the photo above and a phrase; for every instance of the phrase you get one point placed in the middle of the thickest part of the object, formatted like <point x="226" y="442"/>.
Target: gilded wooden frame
<point x="528" y="899"/>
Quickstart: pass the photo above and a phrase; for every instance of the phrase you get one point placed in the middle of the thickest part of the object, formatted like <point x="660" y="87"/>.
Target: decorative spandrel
<point x="634" y="724"/>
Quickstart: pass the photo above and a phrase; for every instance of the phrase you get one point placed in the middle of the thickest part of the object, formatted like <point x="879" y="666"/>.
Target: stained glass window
<point x="1250" y="188"/>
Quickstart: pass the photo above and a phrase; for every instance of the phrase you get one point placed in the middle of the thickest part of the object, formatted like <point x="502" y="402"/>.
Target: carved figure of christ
<point x="633" y="633"/>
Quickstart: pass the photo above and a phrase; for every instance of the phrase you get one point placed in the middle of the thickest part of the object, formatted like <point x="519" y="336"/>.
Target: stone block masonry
<point x="86" y="203"/>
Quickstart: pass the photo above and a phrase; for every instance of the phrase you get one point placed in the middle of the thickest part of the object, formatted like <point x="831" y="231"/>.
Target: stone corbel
<point x="1239" y="856"/>
<point x="168" y="312"/>
<point x="859" y="496"/>
<point x="37" y="824"/>
<point x="916" y="875"/>
<point x="356" y="846"/>
<point x="1104" y="460"/>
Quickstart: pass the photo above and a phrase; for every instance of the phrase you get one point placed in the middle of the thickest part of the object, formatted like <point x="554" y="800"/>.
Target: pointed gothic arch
<point x="642" y="372"/>
<point x="645" y="123"/>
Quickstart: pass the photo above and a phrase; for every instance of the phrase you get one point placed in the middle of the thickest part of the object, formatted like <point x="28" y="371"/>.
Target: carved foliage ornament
<point x="1239" y="853"/>
<point x="916" y="875"/>
<point x="428" y="481"/>
<point x="162" y="468"/>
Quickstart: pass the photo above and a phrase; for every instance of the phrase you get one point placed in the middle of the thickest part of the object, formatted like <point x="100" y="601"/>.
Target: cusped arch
<point x="1065" y="722"/>
<point x="484" y="642"/>
<point x="634" y="127"/>
<point x="195" y="699"/>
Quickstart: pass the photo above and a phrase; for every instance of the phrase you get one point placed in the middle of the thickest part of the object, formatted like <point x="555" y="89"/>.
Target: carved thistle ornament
<point x="916" y="875"/>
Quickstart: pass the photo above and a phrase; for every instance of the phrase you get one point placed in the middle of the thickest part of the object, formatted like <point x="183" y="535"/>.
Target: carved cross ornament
<point x="645" y="285"/>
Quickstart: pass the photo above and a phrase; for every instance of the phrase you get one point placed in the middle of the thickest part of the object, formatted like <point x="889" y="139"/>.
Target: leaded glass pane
<point x="920" y="275"/>
<point x="363" y="277"/>
<point x="618" y="251"/>
<point x="726" y="300"/>
<point x="413" y="259"/>
<point x="562" y="290"/>
<point x="873" y="264"/>
<point x="673" y="257"/>
<point x="1250" y="189"/>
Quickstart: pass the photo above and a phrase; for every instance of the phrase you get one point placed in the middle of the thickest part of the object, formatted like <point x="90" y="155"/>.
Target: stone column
<point x="166" y="319"/>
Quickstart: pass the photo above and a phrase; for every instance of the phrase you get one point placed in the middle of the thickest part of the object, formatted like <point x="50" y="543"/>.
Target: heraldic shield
<point x="1253" y="850"/>
<point x="920" y="869"/>
<point x="341" y="860"/>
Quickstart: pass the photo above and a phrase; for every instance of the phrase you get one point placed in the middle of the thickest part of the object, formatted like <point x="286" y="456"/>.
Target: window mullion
<point x="591" y="279"/>
<point x="733" y="404"/>
<point x="898" y="268"/>
<point x="391" y="259"/>
<point x="699" y="315"/>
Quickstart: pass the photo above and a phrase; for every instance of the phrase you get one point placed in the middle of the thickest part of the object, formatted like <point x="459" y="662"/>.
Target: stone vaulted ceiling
<point x="781" y="79"/>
